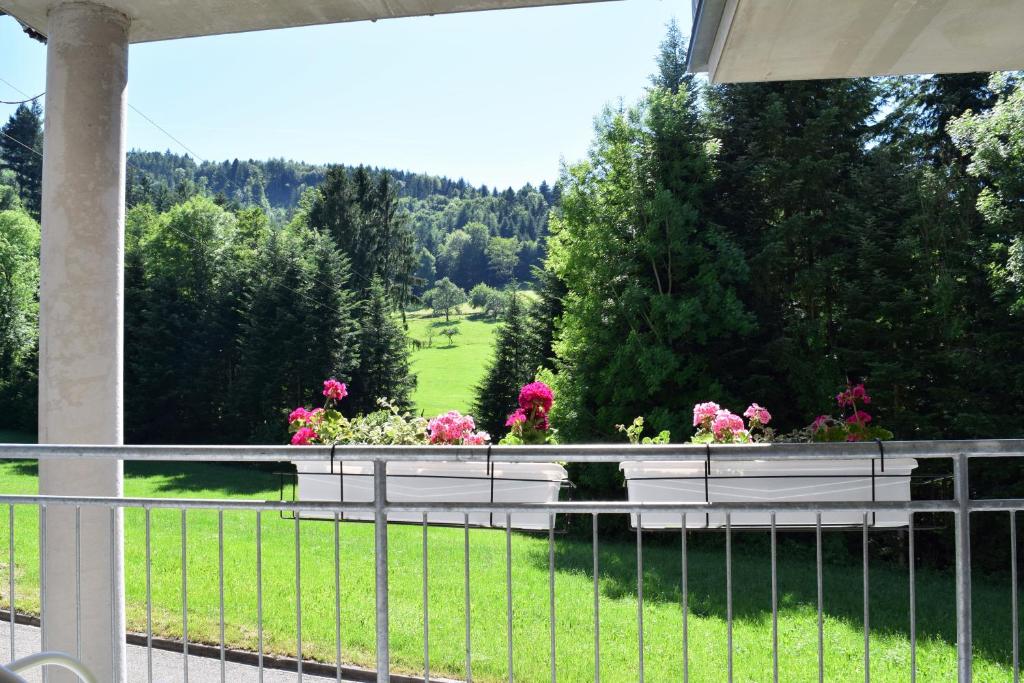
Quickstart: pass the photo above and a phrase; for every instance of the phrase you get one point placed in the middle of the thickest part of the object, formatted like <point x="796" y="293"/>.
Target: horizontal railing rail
<point x="960" y="506"/>
<point x="567" y="453"/>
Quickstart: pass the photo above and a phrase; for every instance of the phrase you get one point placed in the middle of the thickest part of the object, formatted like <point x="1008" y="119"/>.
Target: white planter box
<point x="436" y="482"/>
<point x="781" y="481"/>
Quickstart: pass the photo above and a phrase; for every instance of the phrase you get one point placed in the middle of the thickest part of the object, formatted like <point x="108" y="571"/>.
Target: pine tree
<point x="672" y="74"/>
<point x="652" y="283"/>
<point x="21" y="148"/>
<point x="383" y="370"/>
<point x="511" y="367"/>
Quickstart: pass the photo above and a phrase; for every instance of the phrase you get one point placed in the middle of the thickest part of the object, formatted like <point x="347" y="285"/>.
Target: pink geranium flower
<point x="519" y="416"/>
<point x="536" y="396"/>
<point x="455" y="428"/>
<point x="859" y="417"/>
<point x="299" y="413"/>
<point x="757" y="414"/>
<point x="703" y="412"/>
<point x="820" y="422"/>
<point x="726" y="423"/>
<point x="335" y="389"/>
<point x="303" y="436"/>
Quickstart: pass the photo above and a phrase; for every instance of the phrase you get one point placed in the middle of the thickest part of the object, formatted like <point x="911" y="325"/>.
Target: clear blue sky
<point x="494" y="97"/>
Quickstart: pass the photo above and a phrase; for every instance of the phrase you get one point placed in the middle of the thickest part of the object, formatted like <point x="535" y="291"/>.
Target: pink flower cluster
<point x="852" y="396"/>
<point x="304" y="436"/>
<point x="702" y="412"/>
<point x="335" y="389"/>
<point x="536" y="396"/>
<point x="535" y="401"/>
<point x="758" y="415"/>
<point x="725" y="426"/>
<point x="455" y="428"/>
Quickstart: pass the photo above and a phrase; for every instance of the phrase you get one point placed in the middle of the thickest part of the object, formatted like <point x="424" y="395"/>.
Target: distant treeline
<point x="467" y="233"/>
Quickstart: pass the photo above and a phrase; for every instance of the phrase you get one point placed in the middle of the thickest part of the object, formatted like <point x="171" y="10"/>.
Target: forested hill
<point x="470" y="234"/>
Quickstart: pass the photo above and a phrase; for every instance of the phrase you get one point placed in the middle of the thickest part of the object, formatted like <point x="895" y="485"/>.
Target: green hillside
<point x="447" y="374"/>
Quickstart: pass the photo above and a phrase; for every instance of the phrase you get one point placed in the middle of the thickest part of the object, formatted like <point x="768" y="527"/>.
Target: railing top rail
<point x="568" y="453"/>
<point x="561" y="507"/>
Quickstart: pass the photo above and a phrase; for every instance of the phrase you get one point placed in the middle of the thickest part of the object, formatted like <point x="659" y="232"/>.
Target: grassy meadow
<point x="890" y="654"/>
<point x="447" y="374"/>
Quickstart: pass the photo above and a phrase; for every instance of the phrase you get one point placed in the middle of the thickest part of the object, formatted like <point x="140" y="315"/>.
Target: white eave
<point x="167" y="19"/>
<point x="777" y="40"/>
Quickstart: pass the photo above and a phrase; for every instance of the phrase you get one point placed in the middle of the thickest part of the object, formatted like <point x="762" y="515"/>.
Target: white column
<point x="81" y="314"/>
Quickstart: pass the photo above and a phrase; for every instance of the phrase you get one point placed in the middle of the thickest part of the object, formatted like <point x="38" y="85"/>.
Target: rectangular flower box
<point x="767" y="481"/>
<point x="436" y="482"/>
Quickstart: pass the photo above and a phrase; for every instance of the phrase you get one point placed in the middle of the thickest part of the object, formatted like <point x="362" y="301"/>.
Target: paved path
<point x="167" y="666"/>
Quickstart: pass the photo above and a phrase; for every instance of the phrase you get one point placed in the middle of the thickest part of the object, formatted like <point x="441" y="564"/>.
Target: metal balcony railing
<point x="961" y="505"/>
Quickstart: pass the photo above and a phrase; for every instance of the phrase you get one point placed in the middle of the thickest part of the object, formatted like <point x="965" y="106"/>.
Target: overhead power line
<point x="30" y="99"/>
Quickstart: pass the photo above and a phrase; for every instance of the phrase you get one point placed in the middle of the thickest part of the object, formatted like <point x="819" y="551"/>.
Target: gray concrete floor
<point x="167" y="666"/>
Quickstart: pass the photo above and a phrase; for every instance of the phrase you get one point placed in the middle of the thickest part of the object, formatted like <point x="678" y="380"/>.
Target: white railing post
<point x="380" y="533"/>
<point x="963" y="568"/>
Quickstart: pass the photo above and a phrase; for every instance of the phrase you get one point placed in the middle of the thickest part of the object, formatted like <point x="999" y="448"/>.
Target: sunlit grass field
<point x="447" y="374"/>
<point x="890" y="652"/>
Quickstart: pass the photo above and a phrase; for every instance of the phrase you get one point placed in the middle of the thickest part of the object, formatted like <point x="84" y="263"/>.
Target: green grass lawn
<point x="447" y="374"/>
<point x="574" y="603"/>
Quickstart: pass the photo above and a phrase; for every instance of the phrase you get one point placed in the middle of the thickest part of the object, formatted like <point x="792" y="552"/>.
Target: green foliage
<point x="387" y="426"/>
<point x="635" y="430"/>
<point x="19" y="279"/>
<point x="383" y="369"/>
<point x="445" y="298"/>
<point x="994" y="142"/>
<point x="21" y="148"/>
<point x="512" y="366"/>
<point x="652" y="284"/>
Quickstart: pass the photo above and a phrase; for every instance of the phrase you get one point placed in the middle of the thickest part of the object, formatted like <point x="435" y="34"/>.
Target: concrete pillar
<point x="81" y="316"/>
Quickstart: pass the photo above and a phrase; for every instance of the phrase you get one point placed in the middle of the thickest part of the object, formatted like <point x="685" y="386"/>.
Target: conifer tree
<point x="383" y="369"/>
<point x="21" y="148"/>
<point x="510" y="368"/>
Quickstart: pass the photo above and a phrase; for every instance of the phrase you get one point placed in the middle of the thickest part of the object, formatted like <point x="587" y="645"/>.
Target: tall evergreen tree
<point x="383" y="369"/>
<point x="512" y="366"/>
<point x="784" y="193"/>
<point x="21" y="148"/>
<point x="652" y="284"/>
<point x="672" y="74"/>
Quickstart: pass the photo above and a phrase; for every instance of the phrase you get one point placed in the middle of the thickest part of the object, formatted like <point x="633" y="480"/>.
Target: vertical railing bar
<point x="597" y="609"/>
<point x="1013" y="595"/>
<point x="551" y="593"/>
<point x="911" y="561"/>
<point x="465" y="592"/>
<point x="259" y="593"/>
<point x="184" y="594"/>
<point x="337" y="594"/>
<point x="686" y="602"/>
<point x="10" y="578"/>
<point x="821" y="625"/>
<point x="78" y="584"/>
<point x="728" y="592"/>
<point x="775" y="604"/>
<point x="42" y="583"/>
<point x="963" y="568"/>
<point x="380" y="533"/>
<point x="149" y="598"/>
<point x="867" y="604"/>
<point x="298" y="600"/>
<point x="640" y="594"/>
<point x="426" y="607"/>
<point x="508" y="590"/>
<point x="114" y="557"/>
<point x="220" y="581"/>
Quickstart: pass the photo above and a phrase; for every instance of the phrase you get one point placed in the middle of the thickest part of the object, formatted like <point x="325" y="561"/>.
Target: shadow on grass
<point x="234" y="479"/>
<point x="797" y="583"/>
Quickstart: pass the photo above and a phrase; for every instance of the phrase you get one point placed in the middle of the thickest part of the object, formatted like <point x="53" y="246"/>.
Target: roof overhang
<point x="166" y="19"/>
<point x="778" y="40"/>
